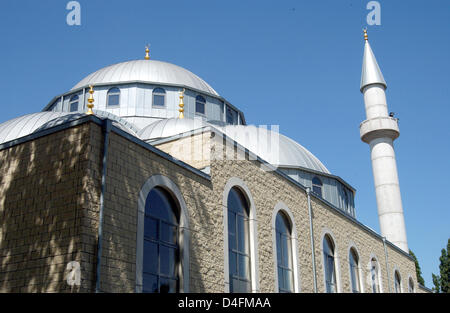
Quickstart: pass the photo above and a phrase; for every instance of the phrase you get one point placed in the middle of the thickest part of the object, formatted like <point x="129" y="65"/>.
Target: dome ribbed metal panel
<point x="150" y="71"/>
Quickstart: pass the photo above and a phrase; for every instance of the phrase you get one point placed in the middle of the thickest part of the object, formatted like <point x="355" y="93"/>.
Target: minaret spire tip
<point x="366" y="37"/>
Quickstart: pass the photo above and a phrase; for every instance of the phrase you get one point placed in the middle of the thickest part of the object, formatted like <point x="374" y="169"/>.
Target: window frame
<point x="72" y="101"/>
<point x="204" y="105"/>
<point x="159" y="242"/>
<point x="237" y="182"/>
<point x="353" y="252"/>
<point x="288" y="224"/>
<point x="377" y="281"/>
<point x="397" y="283"/>
<point x="184" y="232"/>
<point x="325" y="258"/>
<point x="316" y="185"/>
<point x="113" y="91"/>
<point x="157" y="93"/>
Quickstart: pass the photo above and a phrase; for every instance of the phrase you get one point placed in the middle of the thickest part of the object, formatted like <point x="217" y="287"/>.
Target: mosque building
<point x="142" y="178"/>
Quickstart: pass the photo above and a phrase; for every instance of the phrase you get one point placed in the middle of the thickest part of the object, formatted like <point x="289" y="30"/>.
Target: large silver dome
<point x="148" y="71"/>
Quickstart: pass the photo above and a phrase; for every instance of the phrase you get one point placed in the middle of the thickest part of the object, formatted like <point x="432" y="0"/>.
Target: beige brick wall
<point x="46" y="214"/>
<point x="49" y="203"/>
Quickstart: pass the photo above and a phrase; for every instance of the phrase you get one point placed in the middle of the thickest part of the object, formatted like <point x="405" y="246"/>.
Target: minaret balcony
<point x="379" y="127"/>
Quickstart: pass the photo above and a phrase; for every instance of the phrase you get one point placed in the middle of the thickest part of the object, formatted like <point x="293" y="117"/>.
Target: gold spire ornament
<point x="90" y="104"/>
<point x="366" y="37"/>
<point x="181" y="105"/>
<point x="147" y="51"/>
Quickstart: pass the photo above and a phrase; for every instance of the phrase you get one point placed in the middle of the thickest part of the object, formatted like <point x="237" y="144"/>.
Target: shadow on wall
<point x="129" y="167"/>
<point x="45" y="220"/>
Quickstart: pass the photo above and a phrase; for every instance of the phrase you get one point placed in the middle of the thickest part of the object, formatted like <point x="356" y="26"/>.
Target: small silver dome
<point x="270" y="146"/>
<point x="34" y="122"/>
<point x="149" y="71"/>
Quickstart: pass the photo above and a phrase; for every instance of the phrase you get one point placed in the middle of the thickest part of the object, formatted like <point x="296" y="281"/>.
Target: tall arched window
<point x="159" y="97"/>
<point x="73" y="103"/>
<point x="397" y="282"/>
<point x="354" y="271"/>
<point x="329" y="264"/>
<point x="113" y="98"/>
<point x="161" y="247"/>
<point x="374" y="273"/>
<point x="410" y="285"/>
<point x="317" y="186"/>
<point x="200" y="104"/>
<point x="283" y="231"/>
<point x="238" y="242"/>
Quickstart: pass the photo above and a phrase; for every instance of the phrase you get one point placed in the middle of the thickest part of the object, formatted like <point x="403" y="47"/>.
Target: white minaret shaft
<point x="380" y="130"/>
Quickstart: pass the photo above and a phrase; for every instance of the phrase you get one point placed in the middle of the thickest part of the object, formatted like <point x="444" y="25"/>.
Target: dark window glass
<point x="159" y="96"/>
<point x="113" y="97"/>
<point x="374" y="276"/>
<point x="161" y="250"/>
<point x="397" y="282"/>
<point x="354" y="273"/>
<point x="231" y="116"/>
<point x="411" y="286"/>
<point x="73" y="103"/>
<point x="317" y="186"/>
<point x="238" y="242"/>
<point x="284" y="253"/>
<point x="330" y="270"/>
<point x="200" y="104"/>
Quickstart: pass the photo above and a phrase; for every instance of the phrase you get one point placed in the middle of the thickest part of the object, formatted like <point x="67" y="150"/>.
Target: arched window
<point x="159" y="97"/>
<point x="354" y="271"/>
<point x="283" y="231"/>
<point x="329" y="264"/>
<point x="410" y="285"/>
<point x="374" y="273"/>
<point x="73" y="103"/>
<point x="317" y="186"/>
<point x="113" y="97"/>
<point x="397" y="282"/>
<point x="200" y="104"/>
<point x="238" y="242"/>
<point x="161" y="247"/>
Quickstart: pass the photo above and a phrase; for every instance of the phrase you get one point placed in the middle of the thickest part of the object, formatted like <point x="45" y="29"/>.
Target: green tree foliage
<point x="418" y="271"/>
<point x="442" y="282"/>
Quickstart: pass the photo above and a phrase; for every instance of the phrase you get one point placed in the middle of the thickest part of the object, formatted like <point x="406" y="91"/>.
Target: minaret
<point x="380" y="130"/>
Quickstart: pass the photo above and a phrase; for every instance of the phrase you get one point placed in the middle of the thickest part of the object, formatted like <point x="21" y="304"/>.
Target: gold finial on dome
<point x="181" y="105"/>
<point x="147" y="51"/>
<point x="90" y="104"/>
<point x="366" y="37"/>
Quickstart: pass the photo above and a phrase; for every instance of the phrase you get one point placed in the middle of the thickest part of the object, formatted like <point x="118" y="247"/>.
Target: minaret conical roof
<point x="371" y="73"/>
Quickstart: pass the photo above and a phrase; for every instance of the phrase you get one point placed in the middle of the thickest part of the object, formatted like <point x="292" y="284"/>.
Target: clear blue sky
<point x="292" y="63"/>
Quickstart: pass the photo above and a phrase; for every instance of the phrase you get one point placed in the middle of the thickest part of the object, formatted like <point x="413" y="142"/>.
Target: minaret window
<point x="200" y="104"/>
<point x="317" y="186"/>
<point x="238" y="242"/>
<point x="354" y="271"/>
<point x="161" y="246"/>
<point x="329" y="264"/>
<point x="284" y="253"/>
<point x="159" y="97"/>
<point x="113" y="97"/>
<point x="73" y="103"/>
<point x="397" y="282"/>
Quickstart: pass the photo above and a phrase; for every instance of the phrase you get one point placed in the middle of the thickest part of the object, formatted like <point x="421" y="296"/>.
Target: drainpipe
<point x="308" y="191"/>
<point x="387" y="264"/>
<point x="106" y="130"/>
